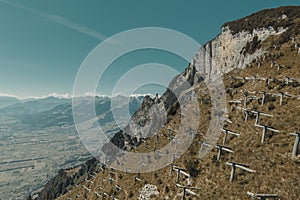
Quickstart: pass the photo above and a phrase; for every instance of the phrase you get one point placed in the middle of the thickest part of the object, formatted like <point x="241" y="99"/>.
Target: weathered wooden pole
<point x="263" y="98"/>
<point x="171" y="168"/>
<point x="259" y="65"/>
<point x="179" y="171"/>
<point x="296" y="144"/>
<point x="273" y="63"/>
<point x="254" y="80"/>
<point x="245" y="98"/>
<point x="281" y="97"/>
<point x="232" y="172"/>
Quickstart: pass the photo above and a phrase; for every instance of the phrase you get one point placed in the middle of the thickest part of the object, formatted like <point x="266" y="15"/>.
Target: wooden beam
<point x="97" y="194"/>
<point x="118" y="187"/>
<point x="262" y="196"/>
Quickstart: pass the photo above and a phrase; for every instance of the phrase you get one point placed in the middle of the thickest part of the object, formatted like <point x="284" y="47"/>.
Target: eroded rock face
<point x="66" y="177"/>
<point x="225" y="52"/>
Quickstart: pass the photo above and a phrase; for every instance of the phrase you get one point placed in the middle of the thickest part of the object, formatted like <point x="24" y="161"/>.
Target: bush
<point x="192" y="167"/>
<point x="271" y="107"/>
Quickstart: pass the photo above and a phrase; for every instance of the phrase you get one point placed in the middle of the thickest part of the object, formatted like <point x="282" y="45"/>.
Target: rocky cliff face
<point x="235" y="47"/>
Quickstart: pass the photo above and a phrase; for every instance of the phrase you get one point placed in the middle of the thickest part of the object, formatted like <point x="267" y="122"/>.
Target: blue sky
<point x="43" y="43"/>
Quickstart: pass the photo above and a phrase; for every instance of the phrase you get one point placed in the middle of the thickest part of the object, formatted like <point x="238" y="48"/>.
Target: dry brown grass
<point x="276" y="172"/>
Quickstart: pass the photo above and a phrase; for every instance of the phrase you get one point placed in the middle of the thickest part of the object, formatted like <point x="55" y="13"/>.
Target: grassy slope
<point x="276" y="172"/>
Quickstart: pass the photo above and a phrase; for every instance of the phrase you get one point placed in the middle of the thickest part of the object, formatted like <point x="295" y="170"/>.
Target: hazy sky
<point x="43" y="43"/>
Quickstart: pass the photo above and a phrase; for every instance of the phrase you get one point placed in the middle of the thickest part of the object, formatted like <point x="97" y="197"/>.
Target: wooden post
<point x="281" y="98"/>
<point x="171" y="169"/>
<point x="232" y="172"/>
<point x="263" y="98"/>
<point x="265" y="128"/>
<point x="230" y="132"/>
<point x="262" y="196"/>
<point x="273" y="63"/>
<point x="259" y="65"/>
<point x="220" y="148"/>
<point x="238" y="165"/>
<point x="178" y="174"/>
<point x="296" y="144"/>
<point x="254" y="80"/>
<point x="245" y="99"/>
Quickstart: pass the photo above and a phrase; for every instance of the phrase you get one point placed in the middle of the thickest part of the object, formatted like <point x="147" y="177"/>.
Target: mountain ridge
<point x="228" y="50"/>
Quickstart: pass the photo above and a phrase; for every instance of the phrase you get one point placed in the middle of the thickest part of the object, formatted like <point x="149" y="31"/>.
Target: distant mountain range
<point x="54" y="111"/>
<point x="6" y="101"/>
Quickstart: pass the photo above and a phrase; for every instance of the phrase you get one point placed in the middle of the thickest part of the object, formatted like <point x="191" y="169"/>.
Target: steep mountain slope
<point x="254" y="56"/>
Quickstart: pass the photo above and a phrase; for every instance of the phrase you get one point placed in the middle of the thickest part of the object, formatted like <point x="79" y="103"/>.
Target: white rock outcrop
<point x="223" y="53"/>
<point x="148" y="191"/>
